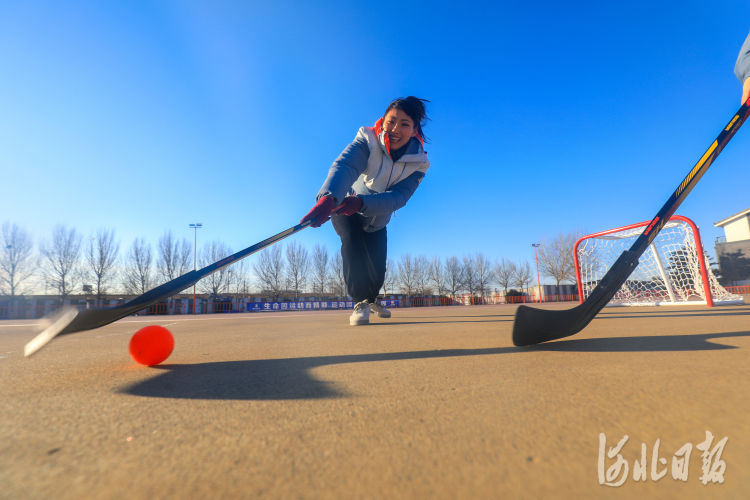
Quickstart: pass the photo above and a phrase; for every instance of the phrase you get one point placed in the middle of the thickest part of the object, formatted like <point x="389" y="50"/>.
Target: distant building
<point x="733" y="251"/>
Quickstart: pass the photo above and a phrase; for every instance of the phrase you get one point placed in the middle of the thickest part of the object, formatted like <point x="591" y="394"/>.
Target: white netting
<point x="668" y="271"/>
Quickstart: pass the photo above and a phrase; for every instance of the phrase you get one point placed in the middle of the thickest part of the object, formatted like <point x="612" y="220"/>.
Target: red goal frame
<point x="680" y="218"/>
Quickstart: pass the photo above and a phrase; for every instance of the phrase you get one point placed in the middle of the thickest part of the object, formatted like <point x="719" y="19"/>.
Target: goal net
<point x="674" y="269"/>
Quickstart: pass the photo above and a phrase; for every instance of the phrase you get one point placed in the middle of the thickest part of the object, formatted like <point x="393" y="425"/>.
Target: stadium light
<point x="195" y="227"/>
<point x="538" y="282"/>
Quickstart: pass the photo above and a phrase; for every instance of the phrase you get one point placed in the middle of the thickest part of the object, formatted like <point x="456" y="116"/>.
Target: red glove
<point x="321" y="212"/>
<point x="350" y="206"/>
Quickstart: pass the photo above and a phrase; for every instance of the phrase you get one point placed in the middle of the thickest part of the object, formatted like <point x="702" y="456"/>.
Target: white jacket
<point x="365" y="167"/>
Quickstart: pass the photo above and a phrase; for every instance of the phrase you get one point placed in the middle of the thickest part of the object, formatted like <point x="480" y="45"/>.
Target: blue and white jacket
<point x="365" y="168"/>
<point x="742" y="66"/>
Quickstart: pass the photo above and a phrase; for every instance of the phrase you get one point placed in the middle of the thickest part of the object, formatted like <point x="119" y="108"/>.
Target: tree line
<point x="67" y="263"/>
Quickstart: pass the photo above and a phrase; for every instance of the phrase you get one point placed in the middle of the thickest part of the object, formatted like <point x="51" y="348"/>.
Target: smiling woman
<point x="372" y="178"/>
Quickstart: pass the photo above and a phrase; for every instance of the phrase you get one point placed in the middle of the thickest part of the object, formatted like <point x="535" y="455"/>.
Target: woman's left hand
<point x="350" y="206"/>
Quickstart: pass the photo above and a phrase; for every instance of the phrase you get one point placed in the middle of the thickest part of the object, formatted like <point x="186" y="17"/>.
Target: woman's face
<point x="399" y="127"/>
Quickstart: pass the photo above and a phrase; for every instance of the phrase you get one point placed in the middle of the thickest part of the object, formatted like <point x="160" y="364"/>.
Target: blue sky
<point x="547" y="117"/>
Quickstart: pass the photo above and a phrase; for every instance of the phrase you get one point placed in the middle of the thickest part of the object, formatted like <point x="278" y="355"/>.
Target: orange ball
<point x="151" y="345"/>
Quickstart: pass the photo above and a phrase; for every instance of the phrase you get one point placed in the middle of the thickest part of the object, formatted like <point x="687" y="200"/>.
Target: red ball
<point x="151" y="345"/>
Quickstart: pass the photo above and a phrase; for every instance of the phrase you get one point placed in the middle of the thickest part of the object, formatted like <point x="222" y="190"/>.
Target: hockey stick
<point x="533" y="325"/>
<point x="69" y="320"/>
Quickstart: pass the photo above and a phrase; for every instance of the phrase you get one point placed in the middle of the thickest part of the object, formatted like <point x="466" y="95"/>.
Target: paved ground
<point x="435" y="402"/>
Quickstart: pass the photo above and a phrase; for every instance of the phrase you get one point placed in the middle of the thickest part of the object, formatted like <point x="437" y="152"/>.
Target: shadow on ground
<point x="285" y="379"/>
<point x="671" y="314"/>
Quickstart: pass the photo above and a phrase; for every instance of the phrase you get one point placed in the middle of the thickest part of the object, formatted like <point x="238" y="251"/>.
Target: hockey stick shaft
<point x="692" y="178"/>
<point x="72" y="322"/>
<point x="533" y="326"/>
<point x="188" y="279"/>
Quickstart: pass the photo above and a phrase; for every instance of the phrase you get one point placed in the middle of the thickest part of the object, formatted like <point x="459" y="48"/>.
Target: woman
<point x="372" y="178"/>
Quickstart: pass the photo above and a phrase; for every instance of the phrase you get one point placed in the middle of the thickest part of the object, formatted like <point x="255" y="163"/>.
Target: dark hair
<point x="414" y="107"/>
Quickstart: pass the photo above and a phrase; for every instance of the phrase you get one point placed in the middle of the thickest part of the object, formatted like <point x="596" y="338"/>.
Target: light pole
<point x="538" y="281"/>
<point x="195" y="256"/>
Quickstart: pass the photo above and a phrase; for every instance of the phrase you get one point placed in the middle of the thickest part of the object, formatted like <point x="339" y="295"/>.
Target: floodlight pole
<point x="538" y="281"/>
<point x="195" y="256"/>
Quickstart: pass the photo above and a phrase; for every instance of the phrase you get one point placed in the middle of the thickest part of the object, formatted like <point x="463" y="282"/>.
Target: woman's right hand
<point x="321" y="212"/>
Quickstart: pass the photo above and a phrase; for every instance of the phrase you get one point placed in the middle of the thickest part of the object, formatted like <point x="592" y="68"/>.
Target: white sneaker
<point x="381" y="311"/>
<point x="361" y="314"/>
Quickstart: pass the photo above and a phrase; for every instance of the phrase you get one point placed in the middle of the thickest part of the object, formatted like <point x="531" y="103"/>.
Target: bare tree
<point x="391" y="279"/>
<point x="101" y="256"/>
<point x="137" y="277"/>
<point x="469" y="274"/>
<point x="421" y="275"/>
<point x="61" y="257"/>
<point x="297" y="266"/>
<point x="556" y="257"/>
<point x="184" y="256"/>
<point x="483" y="273"/>
<point x="505" y="272"/>
<point x="218" y="282"/>
<point x="453" y="276"/>
<point x="522" y="277"/>
<point x="173" y="259"/>
<point x="319" y="269"/>
<point x="269" y="270"/>
<point x="407" y="275"/>
<point x="436" y="274"/>
<point x="240" y="278"/>
<point x="337" y="282"/>
<point x="16" y="264"/>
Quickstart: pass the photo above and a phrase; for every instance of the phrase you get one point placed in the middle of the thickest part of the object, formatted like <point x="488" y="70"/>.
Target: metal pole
<point x="538" y="281"/>
<point x="195" y="256"/>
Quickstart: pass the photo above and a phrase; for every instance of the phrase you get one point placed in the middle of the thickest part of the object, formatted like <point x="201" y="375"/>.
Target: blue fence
<point x="316" y="305"/>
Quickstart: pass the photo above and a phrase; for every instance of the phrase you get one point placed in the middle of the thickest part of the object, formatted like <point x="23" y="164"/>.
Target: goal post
<point x="674" y="269"/>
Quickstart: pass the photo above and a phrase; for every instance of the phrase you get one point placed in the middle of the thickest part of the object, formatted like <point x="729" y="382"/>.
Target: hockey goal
<point x="674" y="270"/>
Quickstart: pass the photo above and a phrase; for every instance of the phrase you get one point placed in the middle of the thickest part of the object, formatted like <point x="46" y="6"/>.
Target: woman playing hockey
<point x="373" y="177"/>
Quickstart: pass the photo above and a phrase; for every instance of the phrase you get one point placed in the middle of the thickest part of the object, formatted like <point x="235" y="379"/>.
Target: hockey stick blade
<point x="532" y="325"/>
<point x="69" y="320"/>
<point x="52" y="326"/>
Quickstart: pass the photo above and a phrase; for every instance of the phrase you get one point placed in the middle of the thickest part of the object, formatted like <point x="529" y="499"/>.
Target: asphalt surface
<point x="433" y="403"/>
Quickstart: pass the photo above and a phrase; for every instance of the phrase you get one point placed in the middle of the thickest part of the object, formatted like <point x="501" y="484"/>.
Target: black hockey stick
<point x="533" y="325"/>
<point x="70" y="320"/>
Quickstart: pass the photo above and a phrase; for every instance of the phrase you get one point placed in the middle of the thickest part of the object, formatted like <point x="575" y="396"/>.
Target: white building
<point x="734" y="252"/>
<point x="736" y="227"/>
